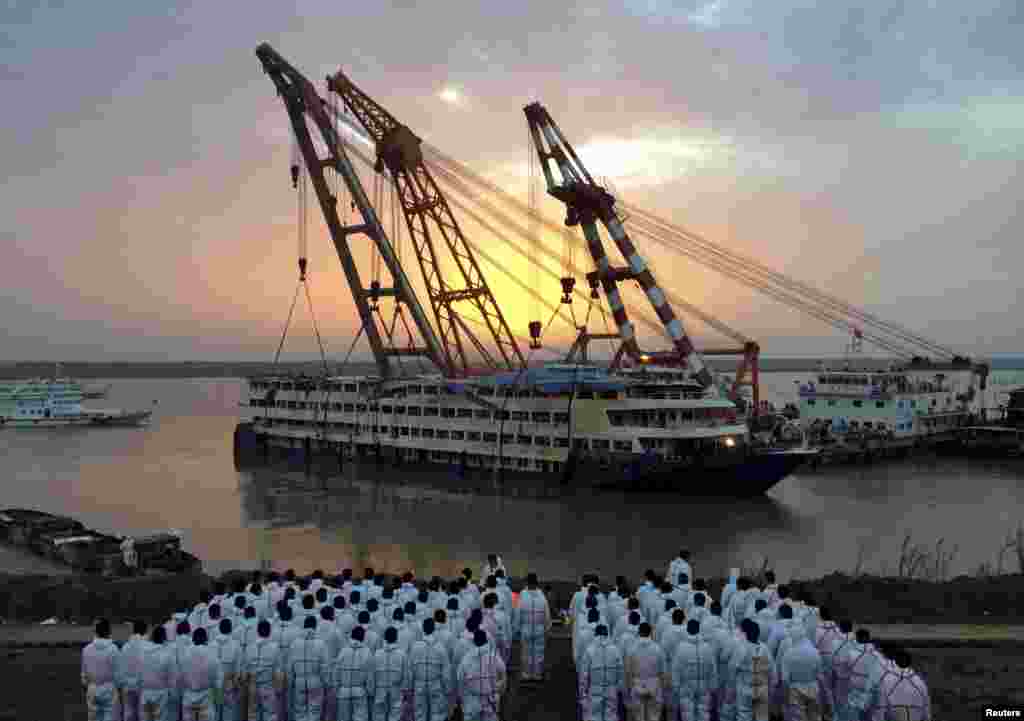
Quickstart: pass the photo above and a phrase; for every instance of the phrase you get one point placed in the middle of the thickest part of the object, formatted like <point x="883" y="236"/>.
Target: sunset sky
<point x="873" y="149"/>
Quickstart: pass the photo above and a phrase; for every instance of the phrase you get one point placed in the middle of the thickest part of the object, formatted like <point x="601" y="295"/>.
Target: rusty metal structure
<point x="437" y="240"/>
<point x="303" y="103"/>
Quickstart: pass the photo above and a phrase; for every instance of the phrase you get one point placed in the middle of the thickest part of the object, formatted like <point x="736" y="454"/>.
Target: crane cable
<point x="300" y="180"/>
<point x="436" y="157"/>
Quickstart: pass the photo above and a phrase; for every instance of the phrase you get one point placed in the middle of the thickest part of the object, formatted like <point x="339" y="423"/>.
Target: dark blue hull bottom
<point x="733" y="476"/>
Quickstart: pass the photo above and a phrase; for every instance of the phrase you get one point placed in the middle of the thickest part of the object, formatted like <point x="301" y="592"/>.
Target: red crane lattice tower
<point x="436" y="237"/>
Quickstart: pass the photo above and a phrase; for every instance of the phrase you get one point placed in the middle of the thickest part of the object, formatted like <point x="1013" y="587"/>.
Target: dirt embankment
<point x="865" y="600"/>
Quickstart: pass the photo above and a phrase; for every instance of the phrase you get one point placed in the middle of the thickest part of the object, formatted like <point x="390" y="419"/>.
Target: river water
<point x="180" y="473"/>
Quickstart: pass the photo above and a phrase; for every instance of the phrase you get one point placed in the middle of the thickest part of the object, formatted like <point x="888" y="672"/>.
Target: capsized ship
<point x="504" y="416"/>
<point x="566" y="422"/>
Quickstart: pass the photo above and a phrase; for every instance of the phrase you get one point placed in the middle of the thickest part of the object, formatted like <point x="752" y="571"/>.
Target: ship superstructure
<point x="52" y="402"/>
<point x="899" y="402"/>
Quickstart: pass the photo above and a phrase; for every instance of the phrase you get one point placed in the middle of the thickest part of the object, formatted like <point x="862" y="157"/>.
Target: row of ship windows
<point x="597" y="444"/>
<point x="558" y="418"/>
<point x="860" y="404"/>
<point x="416" y="411"/>
<point x="415" y="390"/>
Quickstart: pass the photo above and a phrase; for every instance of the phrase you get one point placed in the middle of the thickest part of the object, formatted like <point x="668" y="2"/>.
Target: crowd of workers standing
<point x="350" y="649"/>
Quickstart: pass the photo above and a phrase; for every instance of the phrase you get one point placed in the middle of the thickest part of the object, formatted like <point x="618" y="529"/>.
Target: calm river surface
<point x="179" y="473"/>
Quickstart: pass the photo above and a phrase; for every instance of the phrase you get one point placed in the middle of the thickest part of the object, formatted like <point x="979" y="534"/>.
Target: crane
<point x="301" y="100"/>
<point x="434" y="230"/>
<point x="586" y="203"/>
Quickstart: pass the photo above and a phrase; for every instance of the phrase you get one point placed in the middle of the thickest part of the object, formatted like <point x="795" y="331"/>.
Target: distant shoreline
<point x="243" y="369"/>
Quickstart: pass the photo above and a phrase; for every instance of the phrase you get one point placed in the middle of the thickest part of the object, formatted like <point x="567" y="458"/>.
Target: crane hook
<point x="295" y="175"/>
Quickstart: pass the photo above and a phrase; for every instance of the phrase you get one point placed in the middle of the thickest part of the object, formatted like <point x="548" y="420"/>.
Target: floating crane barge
<point x="660" y="418"/>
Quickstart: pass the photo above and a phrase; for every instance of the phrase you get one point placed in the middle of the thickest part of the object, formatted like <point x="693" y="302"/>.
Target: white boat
<point x="902" y="403"/>
<point x="575" y="422"/>
<point x="54" y="402"/>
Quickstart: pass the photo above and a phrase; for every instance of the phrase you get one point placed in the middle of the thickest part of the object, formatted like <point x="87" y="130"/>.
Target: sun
<point x="450" y="95"/>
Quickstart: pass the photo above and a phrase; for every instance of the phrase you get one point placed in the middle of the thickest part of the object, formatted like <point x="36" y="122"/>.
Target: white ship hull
<point x="595" y="427"/>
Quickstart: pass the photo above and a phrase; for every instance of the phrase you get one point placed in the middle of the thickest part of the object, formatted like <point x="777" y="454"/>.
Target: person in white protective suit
<point x="370" y="637"/>
<point x="158" y="678"/>
<point x="179" y="648"/>
<point x="781" y="597"/>
<point x="737" y="610"/>
<point x="729" y="590"/>
<point x="391" y="678"/>
<point x="129" y="555"/>
<point x="263" y="675"/>
<point x="456" y="621"/>
<point x="724" y="642"/>
<point x="466" y="642"/>
<point x="327" y="631"/>
<point x="411" y="624"/>
<point x="632" y="604"/>
<point x="672" y="636"/>
<point x="353" y="678"/>
<point x="581" y="621"/>
<point x="785" y="632"/>
<point x="201" y="680"/>
<point x="493" y="565"/>
<point x="764" y="617"/>
<point x="680" y="564"/>
<point x="344" y="619"/>
<point x="770" y="592"/>
<point x="431" y="673"/>
<point x="481" y="681"/>
<point x="629" y="633"/>
<point x="811" y="614"/>
<point x="128" y="676"/>
<point x="667" y="589"/>
<point x="858" y="668"/>
<point x="199" y="616"/>
<point x="534" y="624"/>
<point x="229" y="656"/>
<point x="500" y="622"/>
<point x="699" y="608"/>
<point x="647" y="677"/>
<point x="827" y="639"/>
<point x="647" y="594"/>
<point x="664" y="619"/>
<point x="799" y="671"/>
<point x="447" y="641"/>
<point x="504" y="591"/>
<point x="902" y="693"/>
<point x="247" y="629"/>
<point x="755" y="675"/>
<point x="601" y="678"/>
<point x="309" y="666"/>
<point x="694" y="676"/>
<point x="100" y="660"/>
<point x="584" y="636"/>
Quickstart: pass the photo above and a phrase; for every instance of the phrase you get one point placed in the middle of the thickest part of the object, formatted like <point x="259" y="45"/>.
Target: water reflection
<point x="398" y="519"/>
